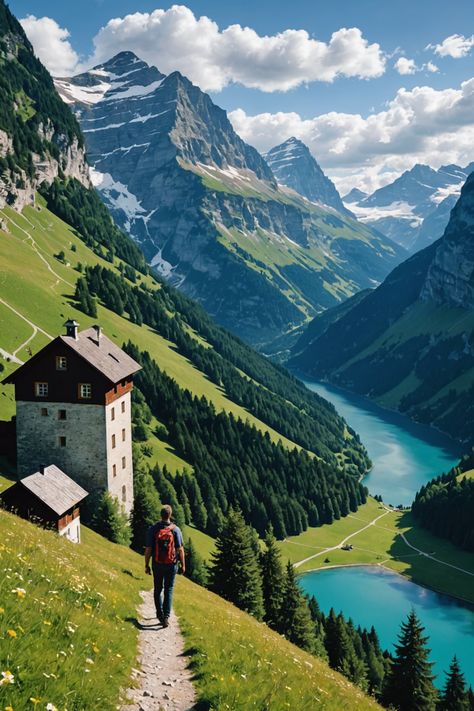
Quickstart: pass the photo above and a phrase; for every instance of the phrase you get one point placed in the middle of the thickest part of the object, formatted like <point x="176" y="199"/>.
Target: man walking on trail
<point x="164" y="545"/>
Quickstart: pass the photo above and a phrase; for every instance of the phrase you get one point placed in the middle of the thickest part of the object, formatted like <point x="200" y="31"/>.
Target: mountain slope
<point x="206" y="208"/>
<point x="39" y="137"/>
<point x="294" y="166"/>
<point x="85" y="620"/>
<point x="414" y="209"/>
<point x="410" y="343"/>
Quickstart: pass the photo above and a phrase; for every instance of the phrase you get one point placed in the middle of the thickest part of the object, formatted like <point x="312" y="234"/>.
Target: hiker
<point x="164" y="545"/>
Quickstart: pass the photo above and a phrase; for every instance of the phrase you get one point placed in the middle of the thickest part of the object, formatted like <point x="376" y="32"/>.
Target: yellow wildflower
<point x="34" y="700"/>
<point x="11" y="633"/>
<point x="1" y="610"/>
<point x="8" y="708"/>
<point x="95" y="649"/>
<point x="21" y="592"/>
<point x="87" y="606"/>
<point x="46" y="622"/>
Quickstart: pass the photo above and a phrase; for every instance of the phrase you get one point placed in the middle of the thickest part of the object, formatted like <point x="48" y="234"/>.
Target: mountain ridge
<point x="206" y="207"/>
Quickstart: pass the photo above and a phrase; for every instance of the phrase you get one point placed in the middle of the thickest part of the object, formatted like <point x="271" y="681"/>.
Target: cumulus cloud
<point x="405" y="66"/>
<point x="423" y="125"/>
<point x="213" y="58"/>
<point x="455" y="46"/>
<point x="51" y="44"/>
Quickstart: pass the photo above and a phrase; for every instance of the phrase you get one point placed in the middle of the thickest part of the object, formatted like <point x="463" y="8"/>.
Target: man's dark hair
<point x="166" y="512"/>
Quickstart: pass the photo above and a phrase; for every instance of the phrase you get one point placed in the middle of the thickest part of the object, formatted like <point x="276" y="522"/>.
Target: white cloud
<point x="405" y="66"/>
<point x="212" y="57"/>
<point x="423" y="125"/>
<point x="455" y="46"/>
<point x="51" y="44"/>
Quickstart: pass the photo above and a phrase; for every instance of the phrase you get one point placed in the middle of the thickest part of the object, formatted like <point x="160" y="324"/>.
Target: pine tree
<point x="295" y="621"/>
<point x="409" y="683"/>
<point x="454" y="695"/>
<point x="195" y="568"/>
<point x="146" y="508"/>
<point x="110" y="522"/>
<point x="234" y="573"/>
<point x="272" y="580"/>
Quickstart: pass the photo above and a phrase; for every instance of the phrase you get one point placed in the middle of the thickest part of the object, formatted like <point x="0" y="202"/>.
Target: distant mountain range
<point x="207" y="208"/>
<point x="414" y="209"/>
<point x="409" y="343"/>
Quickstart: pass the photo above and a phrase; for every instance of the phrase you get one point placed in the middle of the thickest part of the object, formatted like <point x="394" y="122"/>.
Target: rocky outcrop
<point x="450" y="278"/>
<point x="294" y="166"/>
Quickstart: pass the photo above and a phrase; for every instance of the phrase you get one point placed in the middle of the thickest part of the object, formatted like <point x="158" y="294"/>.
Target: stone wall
<point x="116" y="421"/>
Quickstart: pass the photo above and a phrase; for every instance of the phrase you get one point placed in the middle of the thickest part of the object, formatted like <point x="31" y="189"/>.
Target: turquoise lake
<point x="405" y="454"/>
<point x="373" y="596"/>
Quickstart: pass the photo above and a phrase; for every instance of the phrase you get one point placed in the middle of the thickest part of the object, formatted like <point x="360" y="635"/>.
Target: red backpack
<point x="165" y="551"/>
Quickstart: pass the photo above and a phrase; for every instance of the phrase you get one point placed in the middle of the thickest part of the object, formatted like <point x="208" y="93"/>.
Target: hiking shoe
<point x="160" y="618"/>
<point x="166" y="622"/>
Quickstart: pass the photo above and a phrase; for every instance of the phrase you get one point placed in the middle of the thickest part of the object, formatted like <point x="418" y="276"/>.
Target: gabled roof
<point x="99" y="351"/>
<point x="103" y="354"/>
<point x="54" y="488"/>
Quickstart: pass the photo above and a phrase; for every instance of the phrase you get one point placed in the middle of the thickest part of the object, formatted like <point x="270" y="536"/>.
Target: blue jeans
<point x="164" y="576"/>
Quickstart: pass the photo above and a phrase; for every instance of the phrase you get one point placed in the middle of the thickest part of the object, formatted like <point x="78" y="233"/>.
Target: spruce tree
<point x="409" y="683"/>
<point x="110" y="521"/>
<point x="234" y="573"/>
<point x="146" y="508"/>
<point x="454" y="696"/>
<point x="272" y="580"/>
<point x="295" y="621"/>
<point x="195" y="567"/>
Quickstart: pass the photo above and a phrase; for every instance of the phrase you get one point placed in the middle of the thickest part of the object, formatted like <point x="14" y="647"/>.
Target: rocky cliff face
<point x="294" y="166"/>
<point x="206" y="207"/>
<point x="39" y="138"/>
<point x="409" y="343"/>
<point x="450" y="278"/>
<point x="414" y="209"/>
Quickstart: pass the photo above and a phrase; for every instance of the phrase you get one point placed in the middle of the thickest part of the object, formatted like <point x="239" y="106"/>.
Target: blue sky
<point x="402" y="29"/>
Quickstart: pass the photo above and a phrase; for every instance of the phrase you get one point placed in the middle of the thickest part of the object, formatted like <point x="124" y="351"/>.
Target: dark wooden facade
<point x="19" y="500"/>
<point x="64" y="383"/>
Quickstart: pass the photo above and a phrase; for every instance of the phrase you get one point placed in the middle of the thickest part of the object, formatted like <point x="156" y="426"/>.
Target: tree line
<point x="445" y="506"/>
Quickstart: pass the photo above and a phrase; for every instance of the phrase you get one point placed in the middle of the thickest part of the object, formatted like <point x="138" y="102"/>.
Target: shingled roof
<point x="103" y="354"/>
<point x="54" y="488"/>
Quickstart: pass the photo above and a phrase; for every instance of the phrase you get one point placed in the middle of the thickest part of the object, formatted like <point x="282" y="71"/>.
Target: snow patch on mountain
<point x="117" y="194"/>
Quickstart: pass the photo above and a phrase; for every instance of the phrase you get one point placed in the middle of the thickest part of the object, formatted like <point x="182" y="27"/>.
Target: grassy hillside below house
<point x="388" y="537"/>
<point x="81" y="602"/>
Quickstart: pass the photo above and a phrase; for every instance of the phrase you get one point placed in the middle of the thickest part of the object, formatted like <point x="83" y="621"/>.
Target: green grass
<point x="382" y="544"/>
<point x="78" y="613"/>
<point x="240" y="664"/>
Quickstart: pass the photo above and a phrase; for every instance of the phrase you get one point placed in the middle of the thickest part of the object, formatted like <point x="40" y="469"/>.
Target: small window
<point x="114" y="470"/>
<point x="124" y="493"/>
<point x="62" y="441"/>
<point x="41" y="389"/>
<point x="61" y="363"/>
<point x="124" y="462"/>
<point x="62" y="415"/>
<point x="113" y="441"/>
<point x="112" y="414"/>
<point x="44" y="412"/>
<point x="85" y="391"/>
<point x="123" y="435"/>
<point x="123" y="406"/>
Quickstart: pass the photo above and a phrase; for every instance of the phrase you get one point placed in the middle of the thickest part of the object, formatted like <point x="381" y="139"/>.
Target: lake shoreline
<point x="381" y="566"/>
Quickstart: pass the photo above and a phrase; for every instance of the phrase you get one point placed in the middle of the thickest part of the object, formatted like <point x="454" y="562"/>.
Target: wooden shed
<point x="50" y="498"/>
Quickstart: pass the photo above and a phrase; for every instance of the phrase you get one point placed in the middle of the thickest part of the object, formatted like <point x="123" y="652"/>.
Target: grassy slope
<point x="381" y="543"/>
<point x="93" y="589"/>
<point x="40" y="288"/>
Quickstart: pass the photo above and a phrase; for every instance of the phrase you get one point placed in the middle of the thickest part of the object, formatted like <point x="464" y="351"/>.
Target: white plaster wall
<point x="123" y="448"/>
<point x="72" y="531"/>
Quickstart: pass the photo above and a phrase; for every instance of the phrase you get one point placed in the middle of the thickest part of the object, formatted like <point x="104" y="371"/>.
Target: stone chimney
<point x="71" y="328"/>
<point x="98" y="333"/>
